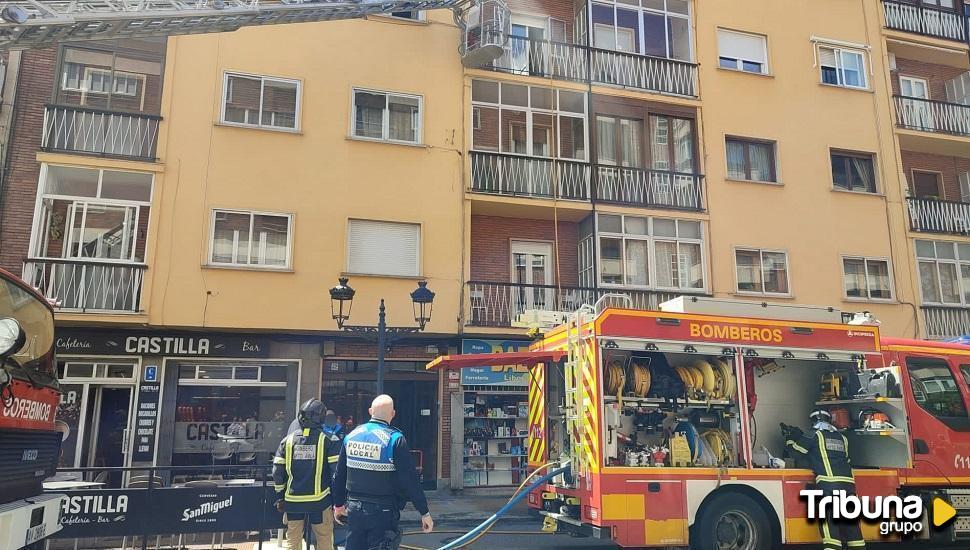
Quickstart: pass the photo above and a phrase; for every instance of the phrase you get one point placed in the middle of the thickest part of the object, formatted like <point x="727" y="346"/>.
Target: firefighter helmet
<point x="820" y="415"/>
<point x="312" y="413"/>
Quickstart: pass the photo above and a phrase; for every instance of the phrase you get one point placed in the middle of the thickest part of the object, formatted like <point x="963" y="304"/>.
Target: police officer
<point x="375" y="479"/>
<point x="302" y="470"/>
<point x="828" y="452"/>
<point x="332" y="427"/>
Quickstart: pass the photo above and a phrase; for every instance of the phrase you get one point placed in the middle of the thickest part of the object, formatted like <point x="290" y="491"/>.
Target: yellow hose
<point x="489" y="528"/>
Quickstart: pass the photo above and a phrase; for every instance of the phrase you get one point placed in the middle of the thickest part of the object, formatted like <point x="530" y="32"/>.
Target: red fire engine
<point x="670" y="420"/>
<point x="29" y="394"/>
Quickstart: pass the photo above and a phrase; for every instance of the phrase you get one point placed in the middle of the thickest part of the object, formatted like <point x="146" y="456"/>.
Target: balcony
<point x="932" y="116"/>
<point x="578" y="63"/>
<point x="69" y="129"/>
<point x="521" y="176"/>
<point x="499" y="304"/>
<point x="926" y="20"/>
<point x="946" y="322"/>
<point x="936" y="216"/>
<point x="87" y="286"/>
<point x="648" y="188"/>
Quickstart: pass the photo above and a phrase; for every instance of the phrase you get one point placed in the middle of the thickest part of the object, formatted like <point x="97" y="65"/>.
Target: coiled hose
<point x="478" y="532"/>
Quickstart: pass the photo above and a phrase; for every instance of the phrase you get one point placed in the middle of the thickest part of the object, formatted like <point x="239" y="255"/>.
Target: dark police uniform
<point x="828" y="453"/>
<point x="302" y="470"/>
<point x="376" y="477"/>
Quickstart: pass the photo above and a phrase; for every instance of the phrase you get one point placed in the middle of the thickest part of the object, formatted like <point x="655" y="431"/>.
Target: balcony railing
<point x="946" y="322"/>
<point x="87" y="286"/>
<point x="578" y="63"/>
<point x="935" y="216"/>
<point x="932" y="116"/>
<point x="648" y="188"/>
<point x="93" y="131"/>
<point x="926" y="20"/>
<point x="499" y="304"/>
<point x="516" y="175"/>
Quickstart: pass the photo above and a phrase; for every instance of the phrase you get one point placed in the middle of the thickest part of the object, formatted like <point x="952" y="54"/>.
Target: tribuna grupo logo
<point x="895" y="514"/>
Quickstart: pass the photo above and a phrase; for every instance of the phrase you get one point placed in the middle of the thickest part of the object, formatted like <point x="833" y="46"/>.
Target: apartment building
<point x="188" y="202"/>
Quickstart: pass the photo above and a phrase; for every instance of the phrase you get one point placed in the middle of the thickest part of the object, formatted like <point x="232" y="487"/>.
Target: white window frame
<point x="422" y="16"/>
<point x="838" y="49"/>
<point x="957" y="261"/>
<point x="417" y="260"/>
<point x="232" y="381"/>
<point x="385" y="117"/>
<point x="651" y="239"/>
<point x="252" y="217"/>
<point x="865" y="266"/>
<point x="642" y="44"/>
<point x="227" y="96"/>
<point x="556" y="113"/>
<point x="739" y="62"/>
<point x="761" y="263"/>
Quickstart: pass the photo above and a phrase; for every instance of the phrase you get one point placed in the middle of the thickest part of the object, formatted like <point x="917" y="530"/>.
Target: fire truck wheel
<point x="732" y="521"/>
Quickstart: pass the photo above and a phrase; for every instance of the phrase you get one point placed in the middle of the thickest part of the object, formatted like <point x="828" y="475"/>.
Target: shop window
<point x="935" y="391"/>
<point x="762" y="271"/>
<point x="866" y="278"/>
<point x="261" y="101"/>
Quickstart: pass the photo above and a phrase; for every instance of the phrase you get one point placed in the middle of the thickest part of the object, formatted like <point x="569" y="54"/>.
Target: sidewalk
<point x="471" y="506"/>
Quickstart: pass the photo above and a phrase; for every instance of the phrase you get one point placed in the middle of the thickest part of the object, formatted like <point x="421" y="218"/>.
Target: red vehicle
<point x="29" y="394"/>
<point x="670" y="422"/>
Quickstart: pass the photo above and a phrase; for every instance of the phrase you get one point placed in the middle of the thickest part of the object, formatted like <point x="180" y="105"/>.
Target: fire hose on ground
<point x="478" y="532"/>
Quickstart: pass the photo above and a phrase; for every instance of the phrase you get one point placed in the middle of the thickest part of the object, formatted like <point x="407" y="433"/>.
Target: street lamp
<point x="341" y="301"/>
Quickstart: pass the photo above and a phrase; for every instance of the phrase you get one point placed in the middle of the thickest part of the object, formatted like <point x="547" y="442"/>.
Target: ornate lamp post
<point x="341" y="301"/>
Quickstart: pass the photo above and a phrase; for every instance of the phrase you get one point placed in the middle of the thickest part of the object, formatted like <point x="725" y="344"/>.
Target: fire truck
<point x="671" y="420"/>
<point x="29" y="441"/>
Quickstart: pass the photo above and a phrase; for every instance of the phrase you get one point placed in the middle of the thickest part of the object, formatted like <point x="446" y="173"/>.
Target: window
<point x="671" y="144"/>
<point x="641" y="252"/>
<point x="853" y="172"/>
<point x="927" y="185"/>
<point x="741" y="51"/>
<point x="944" y="272"/>
<point x="528" y="120"/>
<point x="261" y="101"/>
<point x="935" y="391"/>
<point x="386" y="116"/>
<point x="383" y="248"/>
<point x="762" y="271"/>
<point x="117" y="75"/>
<point x="751" y="160"/>
<point x="659" y="28"/>
<point x="251" y="239"/>
<point x="414" y="15"/>
<point x="842" y="67"/>
<point x="866" y="278"/>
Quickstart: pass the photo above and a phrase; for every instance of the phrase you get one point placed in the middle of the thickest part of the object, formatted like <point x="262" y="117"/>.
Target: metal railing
<point x="517" y="175"/>
<point x="932" y="116"/>
<point x="98" y="132"/>
<point x="494" y="304"/>
<point x="946" y="322"/>
<point x="926" y="20"/>
<point x="648" y="188"/>
<point x="935" y="216"/>
<point x="87" y="286"/>
<point x="576" y="62"/>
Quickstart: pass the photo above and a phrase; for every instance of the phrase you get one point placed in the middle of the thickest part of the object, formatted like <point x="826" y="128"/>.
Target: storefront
<point x="134" y="398"/>
<point x="494" y="418"/>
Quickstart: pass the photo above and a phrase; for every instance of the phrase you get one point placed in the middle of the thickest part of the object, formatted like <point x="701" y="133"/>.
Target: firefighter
<point x="302" y="470"/>
<point x="828" y="452"/>
<point x="375" y="479"/>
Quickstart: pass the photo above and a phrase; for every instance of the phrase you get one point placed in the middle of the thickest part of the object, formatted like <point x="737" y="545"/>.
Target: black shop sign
<point x="179" y="344"/>
<point x="168" y="510"/>
<point x="146" y="415"/>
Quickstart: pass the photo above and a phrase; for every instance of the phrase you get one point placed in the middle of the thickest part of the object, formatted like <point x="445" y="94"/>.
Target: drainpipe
<point x="9" y="79"/>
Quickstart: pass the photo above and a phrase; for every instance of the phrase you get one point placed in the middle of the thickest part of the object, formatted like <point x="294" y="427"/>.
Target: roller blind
<point x="383" y="248"/>
<point x="826" y="56"/>
<point x="736" y="45"/>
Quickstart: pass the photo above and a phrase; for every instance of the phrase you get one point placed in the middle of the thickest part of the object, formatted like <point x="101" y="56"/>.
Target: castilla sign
<point x="173" y="344"/>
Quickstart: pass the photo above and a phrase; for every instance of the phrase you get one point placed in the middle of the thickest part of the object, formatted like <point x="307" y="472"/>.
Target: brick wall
<point x="491" y="238"/>
<point x="19" y="191"/>
<point x="949" y="167"/>
<point x="935" y="75"/>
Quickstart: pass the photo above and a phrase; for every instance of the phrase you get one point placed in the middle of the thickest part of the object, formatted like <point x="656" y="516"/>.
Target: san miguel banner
<point x="741" y="332"/>
<point x="168" y="343"/>
<point x="170" y="510"/>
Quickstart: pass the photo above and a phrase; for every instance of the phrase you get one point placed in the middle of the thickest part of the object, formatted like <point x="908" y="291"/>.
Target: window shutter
<point x="826" y="56"/>
<point x="737" y="45"/>
<point x="965" y="187"/>
<point x="383" y="248"/>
